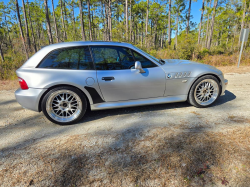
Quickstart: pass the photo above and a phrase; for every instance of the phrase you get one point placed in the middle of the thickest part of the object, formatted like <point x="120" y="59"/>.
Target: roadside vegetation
<point x="163" y="28"/>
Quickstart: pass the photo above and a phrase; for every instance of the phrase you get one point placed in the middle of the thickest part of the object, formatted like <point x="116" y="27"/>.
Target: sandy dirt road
<point x="21" y="129"/>
<point x="20" y="125"/>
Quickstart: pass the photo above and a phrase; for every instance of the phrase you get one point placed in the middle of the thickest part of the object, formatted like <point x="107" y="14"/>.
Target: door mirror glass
<point x="139" y="67"/>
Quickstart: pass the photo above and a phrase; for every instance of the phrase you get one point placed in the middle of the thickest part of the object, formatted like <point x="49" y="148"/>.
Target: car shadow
<point x="8" y="102"/>
<point x="94" y="115"/>
<point x="227" y="97"/>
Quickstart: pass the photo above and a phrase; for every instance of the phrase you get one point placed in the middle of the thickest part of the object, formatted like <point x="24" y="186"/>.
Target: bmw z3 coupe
<point x="64" y="79"/>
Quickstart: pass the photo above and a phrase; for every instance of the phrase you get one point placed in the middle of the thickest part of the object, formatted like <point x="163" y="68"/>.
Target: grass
<point x="155" y="157"/>
<point x="217" y="60"/>
<point x="238" y="119"/>
<point x="9" y="84"/>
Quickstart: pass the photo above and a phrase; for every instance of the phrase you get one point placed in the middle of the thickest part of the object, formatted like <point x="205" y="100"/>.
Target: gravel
<point x="20" y="125"/>
<point x="21" y="129"/>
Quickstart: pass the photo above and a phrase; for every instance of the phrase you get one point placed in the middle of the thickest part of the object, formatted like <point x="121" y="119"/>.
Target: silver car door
<point x="118" y="80"/>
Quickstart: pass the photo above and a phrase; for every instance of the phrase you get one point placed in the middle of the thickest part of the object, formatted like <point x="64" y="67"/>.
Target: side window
<point x="69" y="58"/>
<point x="112" y="58"/>
<point x="126" y="58"/>
<point x="144" y="61"/>
<point x="85" y="62"/>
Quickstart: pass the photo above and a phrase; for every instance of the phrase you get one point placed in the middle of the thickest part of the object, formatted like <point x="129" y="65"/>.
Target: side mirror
<point x="139" y="67"/>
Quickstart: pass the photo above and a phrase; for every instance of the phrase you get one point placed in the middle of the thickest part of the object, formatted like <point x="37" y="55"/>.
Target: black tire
<point x="191" y="95"/>
<point x="74" y="90"/>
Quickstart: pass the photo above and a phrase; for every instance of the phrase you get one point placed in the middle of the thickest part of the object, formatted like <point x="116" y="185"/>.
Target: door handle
<point x="108" y="78"/>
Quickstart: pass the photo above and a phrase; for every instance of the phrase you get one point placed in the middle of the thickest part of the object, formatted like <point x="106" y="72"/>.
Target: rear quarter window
<point x="68" y="58"/>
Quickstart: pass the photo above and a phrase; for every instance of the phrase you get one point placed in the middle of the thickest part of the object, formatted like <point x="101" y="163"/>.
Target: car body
<point x="110" y="75"/>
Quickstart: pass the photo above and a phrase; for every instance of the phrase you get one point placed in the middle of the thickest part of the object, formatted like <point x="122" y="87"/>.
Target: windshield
<point x="147" y="54"/>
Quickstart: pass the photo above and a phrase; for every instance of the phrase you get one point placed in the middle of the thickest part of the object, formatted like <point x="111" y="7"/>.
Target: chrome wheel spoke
<point x="206" y="92"/>
<point x="64" y="105"/>
<point x="61" y="97"/>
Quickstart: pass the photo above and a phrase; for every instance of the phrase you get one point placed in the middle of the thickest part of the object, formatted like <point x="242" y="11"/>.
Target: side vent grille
<point x="178" y="75"/>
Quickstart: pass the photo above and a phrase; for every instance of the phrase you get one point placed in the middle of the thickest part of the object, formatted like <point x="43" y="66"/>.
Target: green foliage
<point x="10" y="64"/>
<point x="227" y="26"/>
<point x="187" y="50"/>
<point x="203" y="53"/>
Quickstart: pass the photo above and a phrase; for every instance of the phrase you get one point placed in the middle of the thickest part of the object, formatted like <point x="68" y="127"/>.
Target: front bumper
<point x="30" y="98"/>
<point x="224" y="83"/>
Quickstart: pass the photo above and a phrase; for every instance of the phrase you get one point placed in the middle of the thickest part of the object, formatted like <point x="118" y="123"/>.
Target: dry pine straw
<point x="9" y="85"/>
<point x="156" y="157"/>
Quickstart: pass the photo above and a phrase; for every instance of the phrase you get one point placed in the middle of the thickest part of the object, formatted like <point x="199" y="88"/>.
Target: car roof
<point x="82" y="43"/>
<point x="38" y="56"/>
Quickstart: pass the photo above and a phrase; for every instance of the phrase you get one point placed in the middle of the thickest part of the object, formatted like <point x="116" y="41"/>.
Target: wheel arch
<point x="212" y="74"/>
<point x="85" y="93"/>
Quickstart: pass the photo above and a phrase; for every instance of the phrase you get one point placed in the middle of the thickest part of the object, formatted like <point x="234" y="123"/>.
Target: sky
<point x="195" y="8"/>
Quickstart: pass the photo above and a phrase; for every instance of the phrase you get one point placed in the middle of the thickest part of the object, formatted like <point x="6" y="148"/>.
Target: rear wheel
<point x="64" y="105"/>
<point x="204" y="92"/>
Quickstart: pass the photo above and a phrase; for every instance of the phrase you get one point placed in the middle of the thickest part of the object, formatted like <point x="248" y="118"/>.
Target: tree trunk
<point x="208" y="15"/>
<point x="90" y="29"/>
<point x="26" y="26"/>
<point x="218" y="39"/>
<point x="38" y="35"/>
<point x="126" y="16"/>
<point x="161" y="39"/>
<point x="235" y="30"/>
<point x="130" y="18"/>
<point x="93" y="25"/>
<point x="212" y="25"/>
<point x="242" y="22"/>
<point x="57" y="37"/>
<point x="11" y="44"/>
<point x="136" y="32"/>
<point x="107" y="22"/>
<point x="110" y="21"/>
<point x="31" y="26"/>
<point x="228" y="36"/>
<point x="73" y="20"/>
<point x="155" y="34"/>
<point x="63" y="24"/>
<point x="103" y="21"/>
<point x="65" y="20"/>
<point x="177" y="29"/>
<point x="146" y="25"/>
<point x="48" y="22"/>
<point x="1" y="52"/>
<point x="188" y="16"/>
<point x="21" y="30"/>
<point x="169" y="23"/>
<point x="133" y="29"/>
<point x="202" y="11"/>
<point x="81" y="20"/>
<point x="151" y="28"/>
<point x="141" y="33"/>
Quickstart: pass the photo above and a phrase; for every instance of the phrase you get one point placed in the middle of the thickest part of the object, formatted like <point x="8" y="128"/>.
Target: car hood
<point x="178" y="61"/>
<point x="176" y="65"/>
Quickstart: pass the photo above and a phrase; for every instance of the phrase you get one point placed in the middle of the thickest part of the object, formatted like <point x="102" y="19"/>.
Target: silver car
<point x="65" y="79"/>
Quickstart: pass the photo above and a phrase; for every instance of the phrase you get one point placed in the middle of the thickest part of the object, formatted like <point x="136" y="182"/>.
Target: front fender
<point x="181" y="85"/>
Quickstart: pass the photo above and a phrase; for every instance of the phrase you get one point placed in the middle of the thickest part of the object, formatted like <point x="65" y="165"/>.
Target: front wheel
<point x="64" y="105"/>
<point x="204" y="92"/>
